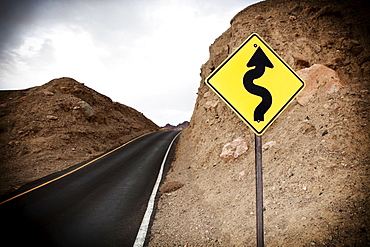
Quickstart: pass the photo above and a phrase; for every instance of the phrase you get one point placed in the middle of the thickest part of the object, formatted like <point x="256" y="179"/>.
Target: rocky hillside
<point x="315" y="155"/>
<point x="49" y="128"/>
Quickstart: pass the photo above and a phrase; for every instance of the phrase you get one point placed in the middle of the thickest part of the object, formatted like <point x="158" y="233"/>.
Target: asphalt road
<point x="101" y="204"/>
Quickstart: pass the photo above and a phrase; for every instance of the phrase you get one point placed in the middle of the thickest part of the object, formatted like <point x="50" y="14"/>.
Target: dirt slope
<point x="49" y="128"/>
<point x="316" y="163"/>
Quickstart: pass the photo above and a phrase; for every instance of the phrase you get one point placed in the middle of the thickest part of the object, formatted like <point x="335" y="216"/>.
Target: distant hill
<point x="180" y="126"/>
<point x="51" y="127"/>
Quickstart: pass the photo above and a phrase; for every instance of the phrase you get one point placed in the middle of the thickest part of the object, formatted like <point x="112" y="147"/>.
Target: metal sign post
<point x="259" y="190"/>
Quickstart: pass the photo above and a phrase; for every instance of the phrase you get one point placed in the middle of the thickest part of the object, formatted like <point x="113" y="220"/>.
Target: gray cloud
<point x="102" y="19"/>
<point x="117" y="47"/>
<point x="16" y="18"/>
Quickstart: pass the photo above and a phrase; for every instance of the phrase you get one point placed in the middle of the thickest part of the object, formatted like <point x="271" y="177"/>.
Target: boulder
<point x="318" y="77"/>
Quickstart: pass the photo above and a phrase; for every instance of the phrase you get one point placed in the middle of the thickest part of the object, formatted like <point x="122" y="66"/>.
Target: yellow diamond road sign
<point x="256" y="83"/>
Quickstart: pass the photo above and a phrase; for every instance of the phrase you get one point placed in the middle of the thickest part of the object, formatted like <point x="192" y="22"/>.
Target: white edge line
<point x="141" y="235"/>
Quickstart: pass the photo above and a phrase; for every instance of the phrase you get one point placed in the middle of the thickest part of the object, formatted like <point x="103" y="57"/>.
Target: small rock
<point x="51" y="117"/>
<point x="21" y="99"/>
<point x="340" y="61"/>
<point x="292" y="18"/>
<point x="304" y="218"/>
<point x="313" y="243"/>
<point x="77" y="89"/>
<point x="301" y="60"/>
<point x="268" y="145"/>
<point x="87" y="110"/>
<point x="64" y="89"/>
<point x="258" y="17"/>
<point x="354" y="42"/>
<point x="48" y="93"/>
<point x="241" y="175"/>
<point x="325" y="132"/>
<point x="171" y="186"/>
<point x="356" y="50"/>
<point x="211" y="104"/>
<point x="234" y="149"/>
<point x="207" y="94"/>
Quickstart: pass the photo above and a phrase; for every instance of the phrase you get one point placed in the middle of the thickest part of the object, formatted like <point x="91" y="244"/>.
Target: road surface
<point x="101" y="204"/>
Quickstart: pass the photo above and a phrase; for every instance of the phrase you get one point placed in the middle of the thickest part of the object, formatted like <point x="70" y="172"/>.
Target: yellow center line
<point x="78" y="168"/>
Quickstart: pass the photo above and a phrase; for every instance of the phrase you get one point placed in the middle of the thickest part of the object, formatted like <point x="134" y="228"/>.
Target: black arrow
<point x="260" y="61"/>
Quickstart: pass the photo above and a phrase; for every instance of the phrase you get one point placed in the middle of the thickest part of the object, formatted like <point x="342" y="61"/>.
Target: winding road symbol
<point x="255" y="83"/>
<point x="260" y="61"/>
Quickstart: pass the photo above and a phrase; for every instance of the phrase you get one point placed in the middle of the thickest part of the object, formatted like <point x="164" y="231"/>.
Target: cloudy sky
<point x="145" y="54"/>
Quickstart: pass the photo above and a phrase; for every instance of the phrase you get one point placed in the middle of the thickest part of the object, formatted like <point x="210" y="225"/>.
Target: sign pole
<point x="255" y="60"/>
<point x="259" y="190"/>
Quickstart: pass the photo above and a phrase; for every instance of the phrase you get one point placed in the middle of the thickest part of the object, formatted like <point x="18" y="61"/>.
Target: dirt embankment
<point x="316" y="154"/>
<point x="49" y="128"/>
